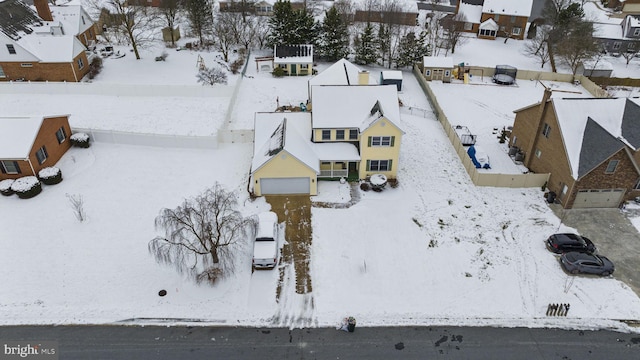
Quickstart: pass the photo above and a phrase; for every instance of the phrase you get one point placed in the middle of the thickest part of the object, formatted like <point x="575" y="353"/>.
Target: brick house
<point x="49" y="43"/>
<point x="495" y="18"/>
<point x="588" y="146"/>
<point x="32" y="143"/>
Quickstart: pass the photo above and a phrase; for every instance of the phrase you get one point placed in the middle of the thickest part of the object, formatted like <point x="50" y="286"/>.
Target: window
<point x="468" y="26"/>
<point x="9" y="167"/>
<point x="497" y="18"/>
<point x="41" y="154"/>
<point x="611" y="167"/>
<point x="381" y="140"/>
<point x="546" y="130"/>
<point x="447" y="73"/>
<point x="565" y="188"/>
<point x="304" y="66"/>
<point x="339" y="134"/>
<point x="61" y="135"/>
<point x="636" y="32"/>
<point x="378" y="165"/>
<point x="353" y="134"/>
<point x="2" y="73"/>
<point x="486" y="32"/>
<point x="637" y="185"/>
<point x="631" y="46"/>
<point x="26" y="65"/>
<point x="326" y="134"/>
<point x="80" y="64"/>
<point x="538" y="153"/>
<point x="616" y="45"/>
<point x="515" y="140"/>
<point x="11" y="48"/>
<point x="427" y="72"/>
<point x="513" y="19"/>
<point x="516" y="31"/>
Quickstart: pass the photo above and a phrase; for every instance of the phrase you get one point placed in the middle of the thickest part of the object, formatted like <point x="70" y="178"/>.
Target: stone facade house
<point x="588" y="146"/>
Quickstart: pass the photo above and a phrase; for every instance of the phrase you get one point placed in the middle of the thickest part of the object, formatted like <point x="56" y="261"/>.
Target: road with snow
<point x="177" y="342"/>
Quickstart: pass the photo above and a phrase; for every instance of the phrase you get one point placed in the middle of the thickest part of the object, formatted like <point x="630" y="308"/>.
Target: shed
<point x="437" y="68"/>
<point x="391" y="77"/>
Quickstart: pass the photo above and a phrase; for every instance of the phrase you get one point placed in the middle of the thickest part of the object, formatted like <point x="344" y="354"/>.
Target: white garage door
<point x="277" y="186"/>
<point x="598" y="198"/>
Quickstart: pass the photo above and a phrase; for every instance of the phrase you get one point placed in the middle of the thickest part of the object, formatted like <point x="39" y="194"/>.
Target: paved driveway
<point x="614" y="236"/>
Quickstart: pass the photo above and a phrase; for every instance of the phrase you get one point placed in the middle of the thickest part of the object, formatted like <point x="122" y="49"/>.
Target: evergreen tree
<point x="200" y="17"/>
<point x="384" y="42"/>
<point x="411" y="49"/>
<point x="366" y="51"/>
<point x="290" y="27"/>
<point x="334" y="38"/>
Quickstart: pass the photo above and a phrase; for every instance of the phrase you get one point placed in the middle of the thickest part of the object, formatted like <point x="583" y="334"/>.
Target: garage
<point x="279" y="186"/>
<point x="598" y="198"/>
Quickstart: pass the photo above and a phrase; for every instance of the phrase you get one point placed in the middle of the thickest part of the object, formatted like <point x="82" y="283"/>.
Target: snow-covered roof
<point x="72" y="17"/>
<point x="508" y="7"/>
<point x="293" y="54"/>
<point x="354" y="106"/>
<point x="342" y="72"/>
<point x="577" y="118"/>
<point x="392" y="74"/>
<point x="20" y="132"/>
<point x="290" y="132"/>
<point x="607" y="31"/>
<point x="597" y="65"/>
<point x="489" y="24"/>
<point x="437" y="62"/>
<point x="472" y="13"/>
<point x="336" y="151"/>
<point x="52" y="48"/>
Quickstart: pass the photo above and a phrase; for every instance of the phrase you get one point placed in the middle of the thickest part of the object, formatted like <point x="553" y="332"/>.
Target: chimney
<point x="363" y="77"/>
<point x="42" y="7"/>
<point x="540" y="119"/>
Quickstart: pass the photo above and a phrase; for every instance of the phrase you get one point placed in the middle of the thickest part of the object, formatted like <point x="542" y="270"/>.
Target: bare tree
<point x="212" y="76"/>
<point x="201" y="235"/>
<point x="578" y="46"/>
<point x="76" y="201"/>
<point x="453" y="32"/>
<point x="225" y="30"/>
<point x="633" y="48"/>
<point x="346" y="9"/>
<point x="261" y="31"/>
<point x="434" y="31"/>
<point x="537" y="46"/>
<point x="170" y="9"/>
<point x="139" y="25"/>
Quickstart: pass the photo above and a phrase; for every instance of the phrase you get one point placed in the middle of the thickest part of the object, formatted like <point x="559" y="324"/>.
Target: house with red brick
<point x="45" y="44"/>
<point x="31" y="144"/>
<point x="495" y="18"/>
<point x="589" y="146"/>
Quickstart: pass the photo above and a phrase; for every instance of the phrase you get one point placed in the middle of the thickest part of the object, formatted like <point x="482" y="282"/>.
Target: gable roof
<point x="21" y="133"/>
<point x="278" y="132"/>
<point x="342" y="72"/>
<point x="17" y="19"/>
<point x="293" y="54"/>
<point x="55" y="49"/>
<point x="437" y="62"/>
<point x="74" y="18"/>
<point x="593" y="127"/>
<point x="508" y="7"/>
<point x="472" y="13"/>
<point x="631" y="122"/>
<point x="354" y="106"/>
<point x="489" y="24"/>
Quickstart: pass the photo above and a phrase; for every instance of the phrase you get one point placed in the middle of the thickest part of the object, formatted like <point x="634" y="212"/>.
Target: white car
<point x="265" y="246"/>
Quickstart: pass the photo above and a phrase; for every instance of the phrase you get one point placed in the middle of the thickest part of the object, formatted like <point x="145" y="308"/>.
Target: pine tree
<point x="384" y="42"/>
<point x="305" y="28"/>
<point x="411" y="49"/>
<point x="366" y="51"/>
<point x="291" y="27"/>
<point x="200" y="17"/>
<point x="334" y="38"/>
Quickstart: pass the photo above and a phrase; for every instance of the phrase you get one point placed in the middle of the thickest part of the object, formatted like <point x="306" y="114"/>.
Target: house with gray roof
<point x="590" y="146"/>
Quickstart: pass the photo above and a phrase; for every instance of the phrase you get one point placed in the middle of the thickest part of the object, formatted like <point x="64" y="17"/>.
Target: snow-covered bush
<point x="212" y="76"/>
<point x="5" y="187"/>
<point x="80" y="139"/>
<point x="50" y="175"/>
<point x="27" y="187"/>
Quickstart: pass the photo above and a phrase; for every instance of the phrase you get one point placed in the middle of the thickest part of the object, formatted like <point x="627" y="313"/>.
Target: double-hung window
<point x="42" y="155"/>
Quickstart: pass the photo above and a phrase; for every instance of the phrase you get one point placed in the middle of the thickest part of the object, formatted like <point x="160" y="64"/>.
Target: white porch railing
<point x="333" y="173"/>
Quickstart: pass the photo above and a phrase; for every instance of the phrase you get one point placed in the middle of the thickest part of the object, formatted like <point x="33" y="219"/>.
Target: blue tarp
<point x="472" y="154"/>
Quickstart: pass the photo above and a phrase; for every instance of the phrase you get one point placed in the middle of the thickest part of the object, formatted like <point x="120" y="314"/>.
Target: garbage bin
<point x="351" y="325"/>
<point x="551" y="197"/>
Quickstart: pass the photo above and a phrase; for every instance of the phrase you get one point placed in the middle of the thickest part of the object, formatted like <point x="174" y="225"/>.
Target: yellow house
<point x="351" y="133"/>
<point x="294" y="59"/>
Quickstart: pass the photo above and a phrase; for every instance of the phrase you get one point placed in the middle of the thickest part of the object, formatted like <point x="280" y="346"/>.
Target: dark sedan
<point x="583" y="263"/>
<point x="560" y="243"/>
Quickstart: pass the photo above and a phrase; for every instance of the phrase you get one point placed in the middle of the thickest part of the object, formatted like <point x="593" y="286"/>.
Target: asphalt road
<point x="154" y="342"/>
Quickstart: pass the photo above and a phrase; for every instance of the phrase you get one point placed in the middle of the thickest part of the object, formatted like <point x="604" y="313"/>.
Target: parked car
<point x="560" y="243"/>
<point x="265" y="246"/>
<point x="583" y="263"/>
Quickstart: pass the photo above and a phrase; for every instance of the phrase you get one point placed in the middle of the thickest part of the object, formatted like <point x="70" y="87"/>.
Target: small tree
<point x="170" y="10"/>
<point x="411" y="49"/>
<point x="578" y="46"/>
<point x="200" y="16"/>
<point x="537" y="46"/>
<point x="139" y="23"/>
<point x="200" y="235"/>
<point x="632" y="50"/>
<point x="76" y="201"/>
<point x="211" y="76"/>
<point x="453" y="32"/>
<point x="365" y="47"/>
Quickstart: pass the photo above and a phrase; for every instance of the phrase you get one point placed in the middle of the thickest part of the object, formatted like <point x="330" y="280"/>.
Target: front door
<point x="294" y="69"/>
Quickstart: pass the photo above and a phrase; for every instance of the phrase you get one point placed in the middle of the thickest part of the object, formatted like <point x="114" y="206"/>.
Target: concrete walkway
<point x="614" y="236"/>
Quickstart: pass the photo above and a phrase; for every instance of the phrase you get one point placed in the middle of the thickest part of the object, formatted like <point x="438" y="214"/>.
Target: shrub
<point x="211" y="76"/>
<point x="95" y="67"/>
<point x="393" y="183"/>
<point x="236" y="65"/>
<point x="27" y="187"/>
<point x="365" y="186"/>
<point x="278" y="72"/>
<point x="80" y="140"/>
<point x="5" y="187"/>
<point x="50" y="175"/>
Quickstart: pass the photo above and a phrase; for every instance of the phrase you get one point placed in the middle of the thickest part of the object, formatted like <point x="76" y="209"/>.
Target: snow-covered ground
<point x="435" y="250"/>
